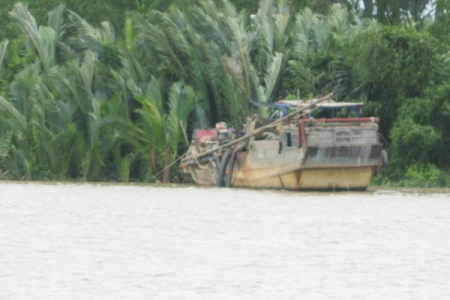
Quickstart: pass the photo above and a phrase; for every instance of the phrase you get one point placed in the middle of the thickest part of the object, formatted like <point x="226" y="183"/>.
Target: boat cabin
<point x="328" y="109"/>
<point x="330" y="124"/>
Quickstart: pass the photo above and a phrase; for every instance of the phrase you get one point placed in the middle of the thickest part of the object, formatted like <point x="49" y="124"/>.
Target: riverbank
<point x="370" y="189"/>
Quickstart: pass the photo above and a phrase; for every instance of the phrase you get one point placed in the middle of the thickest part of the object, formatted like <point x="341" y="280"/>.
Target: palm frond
<point x="21" y="89"/>
<point x="272" y="76"/>
<point x="88" y="36"/>
<point x="304" y="22"/>
<point x="87" y="70"/>
<point x="132" y="66"/>
<point x="44" y="139"/>
<point x="304" y="79"/>
<point x="178" y="107"/>
<point x="210" y="22"/>
<point x="265" y="30"/>
<point x="108" y="34"/>
<point x="338" y="20"/>
<point x="176" y="37"/>
<point x="228" y="9"/>
<point x="154" y="41"/>
<point x="42" y="39"/>
<point x="64" y="115"/>
<point x="242" y="45"/>
<point x="281" y="36"/>
<point x="5" y="143"/>
<point x="320" y="32"/>
<point x="152" y="114"/>
<point x="3" y="47"/>
<point x="231" y="102"/>
<point x="21" y="119"/>
<point x="201" y="119"/>
<point x="94" y="123"/>
<point x="56" y="20"/>
<point x="265" y="8"/>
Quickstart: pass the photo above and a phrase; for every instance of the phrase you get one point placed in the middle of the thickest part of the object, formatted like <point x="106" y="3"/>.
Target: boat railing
<point x="341" y="120"/>
<point x="328" y="122"/>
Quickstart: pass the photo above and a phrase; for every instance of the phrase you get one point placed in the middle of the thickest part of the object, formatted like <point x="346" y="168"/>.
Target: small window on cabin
<point x="331" y="113"/>
<point x="322" y="114"/>
<point x="288" y="139"/>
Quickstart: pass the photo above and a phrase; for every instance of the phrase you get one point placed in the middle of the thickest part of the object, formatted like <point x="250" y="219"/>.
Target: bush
<point x="418" y="175"/>
<point x="425" y="176"/>
<point x="415" y="143"/>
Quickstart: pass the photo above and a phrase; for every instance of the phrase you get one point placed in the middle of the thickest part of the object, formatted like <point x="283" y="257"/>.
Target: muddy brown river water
<point x="85" y="241"/>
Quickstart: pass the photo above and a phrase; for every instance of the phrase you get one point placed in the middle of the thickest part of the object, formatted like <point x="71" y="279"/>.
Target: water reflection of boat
<point x="295" y="152"/>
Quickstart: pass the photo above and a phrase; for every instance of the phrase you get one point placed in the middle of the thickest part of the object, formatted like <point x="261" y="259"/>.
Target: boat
<point x="295" y="151"/>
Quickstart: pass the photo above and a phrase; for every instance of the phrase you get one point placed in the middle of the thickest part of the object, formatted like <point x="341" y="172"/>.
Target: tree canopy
<point x="98" y="90"/>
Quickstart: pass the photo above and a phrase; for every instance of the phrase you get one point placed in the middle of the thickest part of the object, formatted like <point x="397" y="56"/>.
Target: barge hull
<point x="336" y="178"/>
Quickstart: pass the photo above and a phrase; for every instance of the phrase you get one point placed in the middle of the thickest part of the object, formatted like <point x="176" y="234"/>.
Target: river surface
<point x="81" y="241"/>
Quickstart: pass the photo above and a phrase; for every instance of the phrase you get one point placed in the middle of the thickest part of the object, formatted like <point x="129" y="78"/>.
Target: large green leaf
<point x="15" y="114"/>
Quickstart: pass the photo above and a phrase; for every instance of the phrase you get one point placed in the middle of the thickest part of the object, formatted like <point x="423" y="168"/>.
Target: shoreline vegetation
<point x="97" y="92"/>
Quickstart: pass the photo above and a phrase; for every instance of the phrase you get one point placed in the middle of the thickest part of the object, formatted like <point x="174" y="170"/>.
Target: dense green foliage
<point x="81" y="97"/>
<point x="385" y="11"/>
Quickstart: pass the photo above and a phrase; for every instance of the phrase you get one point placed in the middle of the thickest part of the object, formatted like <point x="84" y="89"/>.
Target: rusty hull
<point x="267" y="165"/>
<point x="203" y="174"/>
<point x="306" y="168"/>
<point x="344" y="178"/>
